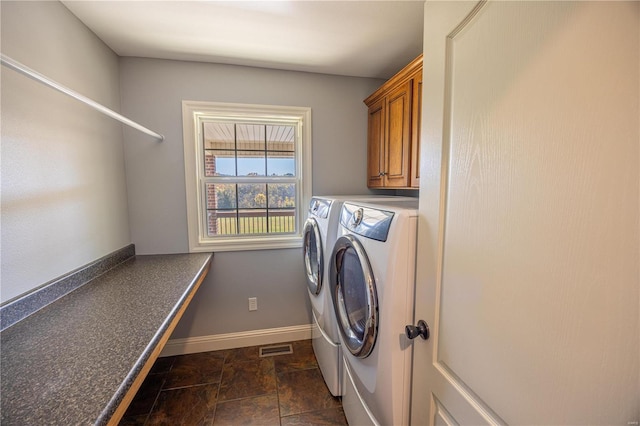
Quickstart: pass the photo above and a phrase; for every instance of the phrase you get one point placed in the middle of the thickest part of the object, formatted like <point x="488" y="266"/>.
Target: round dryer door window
<point x="354" y="295"/>
<point x="313" y="256"/>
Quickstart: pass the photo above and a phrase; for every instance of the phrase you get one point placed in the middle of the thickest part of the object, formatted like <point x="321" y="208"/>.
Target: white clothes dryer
<point x="319" y="236"/>
<point x="371" y="276"/>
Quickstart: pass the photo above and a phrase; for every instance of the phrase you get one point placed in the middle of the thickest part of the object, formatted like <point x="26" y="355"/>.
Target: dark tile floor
<point x="236" y="387"/>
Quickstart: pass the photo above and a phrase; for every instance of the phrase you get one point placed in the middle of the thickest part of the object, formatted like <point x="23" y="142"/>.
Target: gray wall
<point x="63" y="184"/>
<point x="65" y="200"/>
<point x="151" y="93"/>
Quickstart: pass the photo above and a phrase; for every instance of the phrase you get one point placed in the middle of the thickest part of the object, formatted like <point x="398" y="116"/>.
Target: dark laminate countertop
<point x="74" y="361"/>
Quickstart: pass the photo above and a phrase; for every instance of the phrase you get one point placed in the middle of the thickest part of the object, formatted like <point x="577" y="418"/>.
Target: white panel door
<point x="528" y="247"/>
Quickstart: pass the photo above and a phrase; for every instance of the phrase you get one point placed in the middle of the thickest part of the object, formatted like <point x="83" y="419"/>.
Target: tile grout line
<point x="157" y="396"/>
<point x="215" y="408"/>
<point x="275" y="373"/>
<point x="155" y="400"/>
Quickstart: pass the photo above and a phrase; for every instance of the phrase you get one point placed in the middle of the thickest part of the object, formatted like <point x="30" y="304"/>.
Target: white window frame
<point x="192" y="114"/>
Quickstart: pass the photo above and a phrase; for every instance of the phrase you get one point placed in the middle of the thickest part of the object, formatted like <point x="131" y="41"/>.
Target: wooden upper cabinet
<point x="398" y="144"/>
<point x="393" y="130"/>
<point x="375" y="144"/>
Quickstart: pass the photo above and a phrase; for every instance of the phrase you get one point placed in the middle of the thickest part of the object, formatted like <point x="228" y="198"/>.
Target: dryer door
<point x="313" y="256"/>
<point x="354" y="295"/>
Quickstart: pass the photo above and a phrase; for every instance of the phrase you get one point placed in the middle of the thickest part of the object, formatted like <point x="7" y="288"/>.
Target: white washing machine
<point x="371" y="276"/>
<point x="319" y="237"/>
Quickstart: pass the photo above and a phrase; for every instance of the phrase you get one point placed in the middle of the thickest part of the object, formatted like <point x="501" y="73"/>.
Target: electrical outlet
<point x="253" y="303"/>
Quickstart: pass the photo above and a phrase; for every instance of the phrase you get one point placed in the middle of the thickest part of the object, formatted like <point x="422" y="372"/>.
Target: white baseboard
<point x="242" y="339"/>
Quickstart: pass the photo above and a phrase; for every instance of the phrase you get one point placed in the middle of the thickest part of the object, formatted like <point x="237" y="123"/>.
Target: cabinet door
<point x="416" y="120"/>
<point x="398" y="140"/>
<point x="375" y="144"/>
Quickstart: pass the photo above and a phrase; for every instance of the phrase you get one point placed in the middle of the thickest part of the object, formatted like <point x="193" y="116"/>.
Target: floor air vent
<point x="275" y="350"/>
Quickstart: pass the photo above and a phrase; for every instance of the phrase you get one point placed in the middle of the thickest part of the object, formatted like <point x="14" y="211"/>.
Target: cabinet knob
<point x="382" y="174"/>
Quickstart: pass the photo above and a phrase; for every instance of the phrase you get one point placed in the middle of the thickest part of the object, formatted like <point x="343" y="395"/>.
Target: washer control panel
<point x="319" y="207"/>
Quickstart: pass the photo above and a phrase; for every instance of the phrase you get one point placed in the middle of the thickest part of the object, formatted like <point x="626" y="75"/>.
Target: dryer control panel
<point x="365" y="221"/>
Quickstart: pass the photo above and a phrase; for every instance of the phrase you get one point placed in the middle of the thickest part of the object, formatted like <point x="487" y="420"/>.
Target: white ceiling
<point x="354" y="38"/>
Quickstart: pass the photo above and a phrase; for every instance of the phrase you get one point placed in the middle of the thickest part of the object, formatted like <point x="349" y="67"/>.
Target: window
<point x="248" y="175"/>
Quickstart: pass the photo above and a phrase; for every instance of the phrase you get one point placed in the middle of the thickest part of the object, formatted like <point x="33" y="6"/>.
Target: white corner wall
<point x="152" y="92"/>
<point x="63" y="189"/>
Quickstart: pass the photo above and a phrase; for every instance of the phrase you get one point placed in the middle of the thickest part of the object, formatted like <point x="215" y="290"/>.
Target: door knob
<point x="413" y="331"/>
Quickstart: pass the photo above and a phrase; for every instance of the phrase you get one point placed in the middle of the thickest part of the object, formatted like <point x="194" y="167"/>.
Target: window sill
<point x="246" y="244"/>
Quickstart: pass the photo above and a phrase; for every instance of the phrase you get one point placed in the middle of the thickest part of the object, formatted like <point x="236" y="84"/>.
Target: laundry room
<point x="192" y="189"/>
